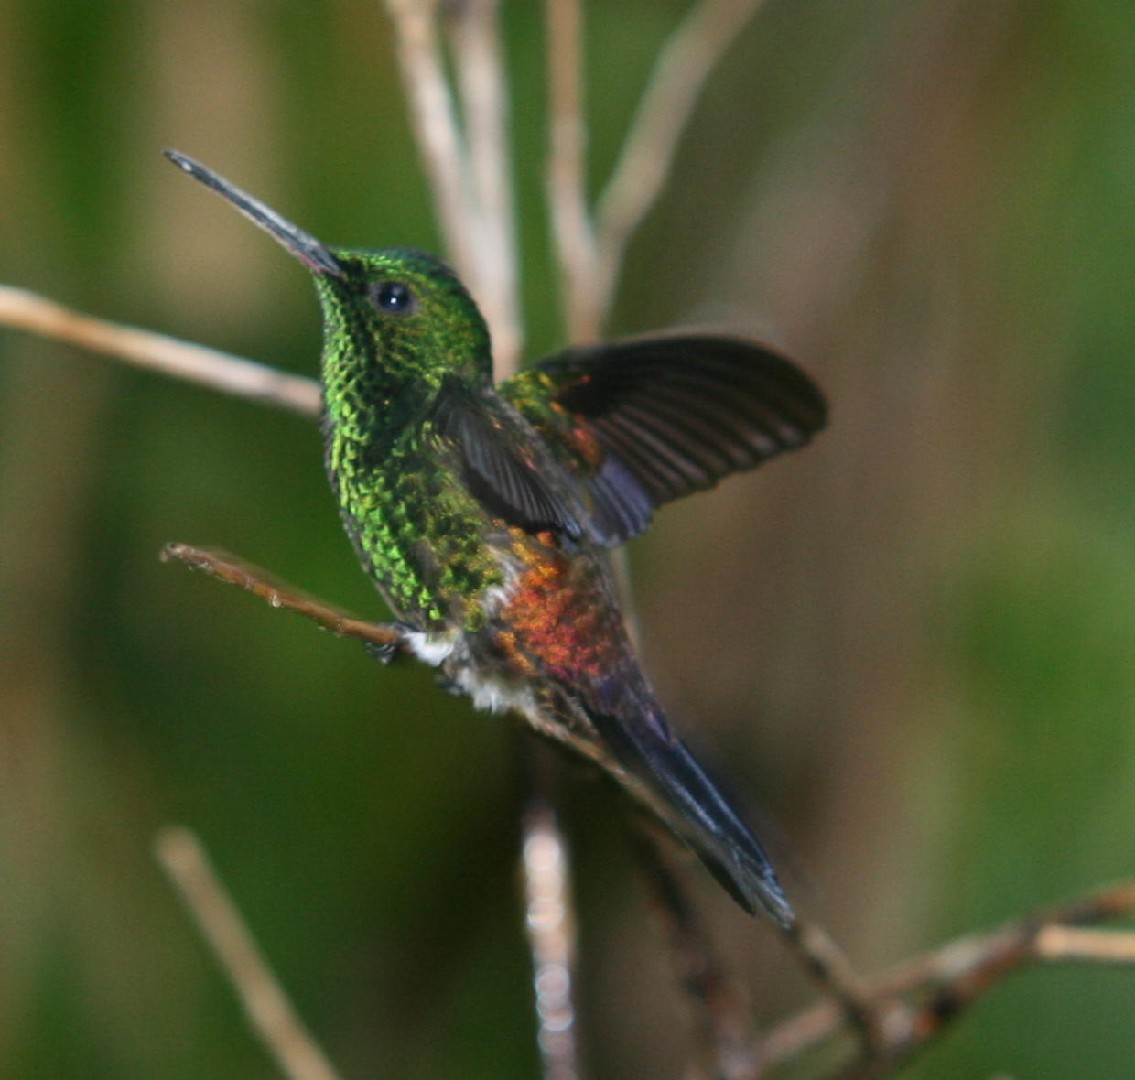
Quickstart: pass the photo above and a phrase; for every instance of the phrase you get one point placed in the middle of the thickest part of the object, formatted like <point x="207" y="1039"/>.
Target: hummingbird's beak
<point x="302" y="245"/>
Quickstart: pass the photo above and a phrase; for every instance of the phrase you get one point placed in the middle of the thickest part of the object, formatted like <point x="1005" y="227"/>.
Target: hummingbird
<point x="485" y="513"/>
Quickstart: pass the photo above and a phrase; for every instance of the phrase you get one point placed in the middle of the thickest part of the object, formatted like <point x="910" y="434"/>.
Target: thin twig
<point x="484" y="104"/>
<point x="549" y="920"/>
<point x="722" y="1019"/>
<point x="435" y="126"/>
<point x="832" y="971"/>
<point x="269" y="1012"/>
<point x="648" y="153"/>
<point x="1089" y="946"/>
<point x="567" y="171"/>
<point x="282" y="596"/>
<point x="24" y="310"/>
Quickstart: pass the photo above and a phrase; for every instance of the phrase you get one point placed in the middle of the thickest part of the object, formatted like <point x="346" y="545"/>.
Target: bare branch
<point x="566" y="173"/>
<point x="829" y="966"/>
<point x="484" y="105"/>
<point x="24" y="310"/>
<point x="278" y="594"/>
<point x="268" y="1010"/>
<point x="648" y="153"/>
<point x="914" y="1002"/>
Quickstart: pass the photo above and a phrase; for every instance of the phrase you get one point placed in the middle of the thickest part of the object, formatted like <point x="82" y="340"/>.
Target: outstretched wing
<point x="648" y="420"/>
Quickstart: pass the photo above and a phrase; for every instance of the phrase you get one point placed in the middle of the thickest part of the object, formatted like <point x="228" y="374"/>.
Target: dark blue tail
<point x="710" y="825"/>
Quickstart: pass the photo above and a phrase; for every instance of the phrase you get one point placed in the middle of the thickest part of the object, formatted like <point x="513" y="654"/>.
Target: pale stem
<point x="436" y="129"/>
<point x="24" y="310"/>
<point x="566" y="173"/>
<point x="484" y="102"/>
<point x="551" y="937"/>
<point x="648" y="153"/>
<point x="1089" y="946"/>
<point x="269" y="1012"/>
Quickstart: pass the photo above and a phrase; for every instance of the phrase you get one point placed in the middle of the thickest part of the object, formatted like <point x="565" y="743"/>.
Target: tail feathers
<point x="708" y="823"/>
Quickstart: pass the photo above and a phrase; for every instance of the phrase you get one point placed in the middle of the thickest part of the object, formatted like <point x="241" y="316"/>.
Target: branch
<point x="268" y="1010"/>
<point x="832" y="971"/>
<point x="549" y="920"/>
<point x="648" y="153"/>
<point x="916" y="1001"/>
<point x="24" y="310"/>
<point x="278" y="594"/>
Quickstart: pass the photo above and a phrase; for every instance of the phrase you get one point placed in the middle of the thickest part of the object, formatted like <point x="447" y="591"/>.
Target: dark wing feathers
<point x="620" y="505"/>
<point x="672" y="415"/>
<point x="497" y="471"/>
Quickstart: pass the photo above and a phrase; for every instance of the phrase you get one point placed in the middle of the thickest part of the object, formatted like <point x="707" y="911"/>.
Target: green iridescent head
<point x="400" y="310"/>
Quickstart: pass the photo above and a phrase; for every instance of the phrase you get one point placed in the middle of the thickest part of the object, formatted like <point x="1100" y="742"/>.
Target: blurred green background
<point x="914" y="644"/>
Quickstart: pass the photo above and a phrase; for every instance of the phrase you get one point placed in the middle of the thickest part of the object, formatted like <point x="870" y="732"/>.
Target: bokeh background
<point x="911" y="648"/>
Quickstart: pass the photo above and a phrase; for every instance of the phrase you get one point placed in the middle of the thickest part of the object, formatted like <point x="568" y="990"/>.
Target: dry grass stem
<point x="574" y="241"/>
<point x="268" y="1009"/>
<point x="648" y="153"/>
<point x="24" y="310"/>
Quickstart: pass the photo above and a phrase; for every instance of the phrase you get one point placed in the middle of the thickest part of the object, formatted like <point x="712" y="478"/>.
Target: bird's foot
<point x="387" y="651"/>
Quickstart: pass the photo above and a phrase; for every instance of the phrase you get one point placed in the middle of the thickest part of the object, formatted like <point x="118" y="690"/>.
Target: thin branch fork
<point x="472" y="188"/>
<point x="435" y="125"/>
<point x="591" y="251"/>
<point x="915" y="1001"/>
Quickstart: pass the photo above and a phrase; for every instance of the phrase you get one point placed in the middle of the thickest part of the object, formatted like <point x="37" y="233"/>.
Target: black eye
<point x="393" y="297"/>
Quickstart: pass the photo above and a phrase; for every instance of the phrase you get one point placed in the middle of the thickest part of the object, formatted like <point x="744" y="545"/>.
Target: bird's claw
<point x="387" y="651"/>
